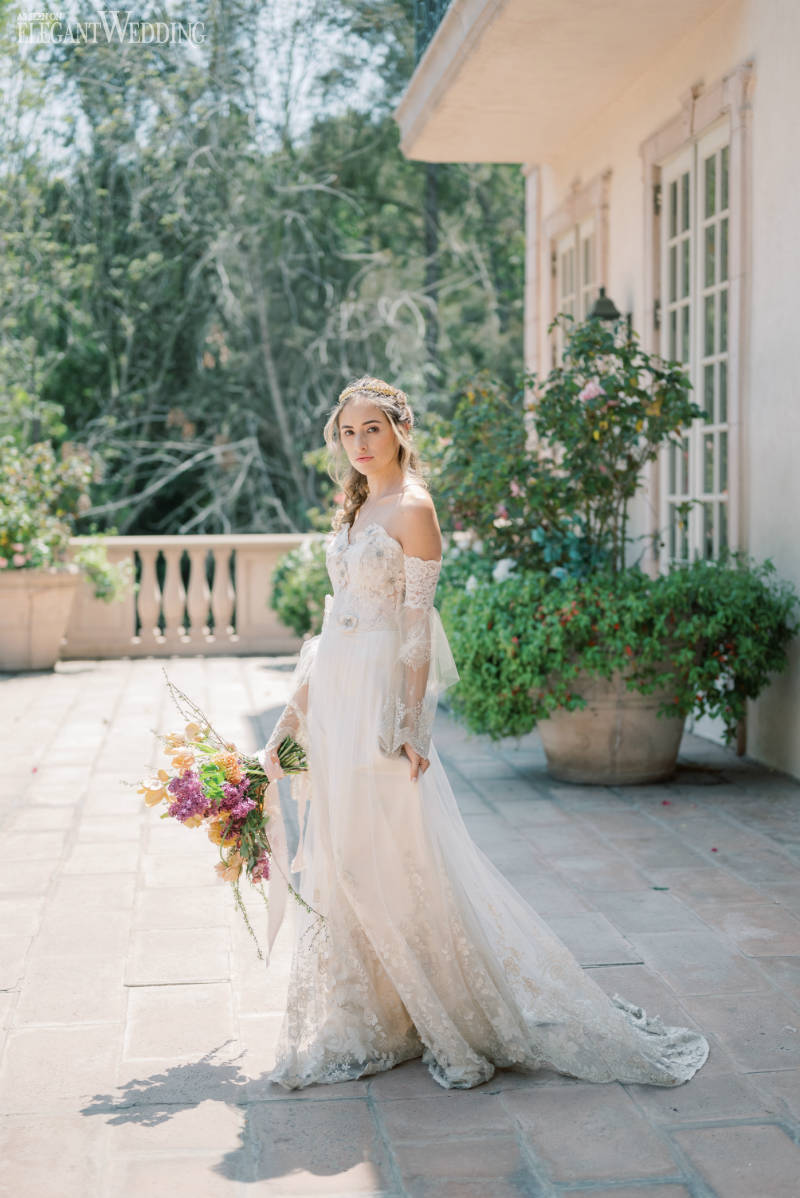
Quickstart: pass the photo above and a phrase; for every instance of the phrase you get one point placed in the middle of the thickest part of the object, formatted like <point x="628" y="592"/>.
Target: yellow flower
<point x="639" y="425"/>
<point x="603" y="424"/>
<point x="216" y="829"/>
<point x="596" y="435"/>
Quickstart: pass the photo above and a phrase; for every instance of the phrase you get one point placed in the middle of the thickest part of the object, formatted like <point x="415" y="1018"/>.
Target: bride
<point x="427" y="949"/>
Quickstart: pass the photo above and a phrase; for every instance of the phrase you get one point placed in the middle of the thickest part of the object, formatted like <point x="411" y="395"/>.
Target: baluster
<point x="172" y="597"/>
<point x="222" y="595"/>
<point x="197" y="596"/>
<point x="149" y="599"/>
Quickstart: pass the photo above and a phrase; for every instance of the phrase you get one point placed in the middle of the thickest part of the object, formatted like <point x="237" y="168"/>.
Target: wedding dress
<point x="426" y="949"/>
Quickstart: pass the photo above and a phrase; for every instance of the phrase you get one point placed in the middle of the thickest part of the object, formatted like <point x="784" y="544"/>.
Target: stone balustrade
<point x="194" y="595"/>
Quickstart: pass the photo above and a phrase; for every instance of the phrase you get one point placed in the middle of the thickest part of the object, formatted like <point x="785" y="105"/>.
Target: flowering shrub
<point x="41" y="495"/>
<point x="712" y="634"/>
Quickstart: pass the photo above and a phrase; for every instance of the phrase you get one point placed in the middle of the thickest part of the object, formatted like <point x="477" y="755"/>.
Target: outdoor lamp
<point x="604" y="308"/>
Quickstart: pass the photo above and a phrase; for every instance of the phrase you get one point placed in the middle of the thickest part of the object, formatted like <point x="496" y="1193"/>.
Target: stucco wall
<point x="768" y="32"/>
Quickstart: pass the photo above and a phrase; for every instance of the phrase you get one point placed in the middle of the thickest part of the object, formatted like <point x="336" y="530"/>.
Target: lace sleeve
<point x="424" y="665"/>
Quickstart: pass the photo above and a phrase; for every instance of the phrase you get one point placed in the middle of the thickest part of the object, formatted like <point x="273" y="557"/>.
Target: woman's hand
<point x="417" y="763"/>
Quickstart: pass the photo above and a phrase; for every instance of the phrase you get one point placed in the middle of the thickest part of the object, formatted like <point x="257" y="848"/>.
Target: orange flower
<point x="216" y="830"/>
<point x="194" y="821"/>
<point x="153" y="791"/>
<point x="229" y="763"/>
<point x="229" y="870"/>
<point x="174" y="740"/>
<point x="183" y="760"/>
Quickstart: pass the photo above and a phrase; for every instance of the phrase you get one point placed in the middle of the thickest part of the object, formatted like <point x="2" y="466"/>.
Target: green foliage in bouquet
<point x="712" y="633"/>
<point x="300" y="583"/>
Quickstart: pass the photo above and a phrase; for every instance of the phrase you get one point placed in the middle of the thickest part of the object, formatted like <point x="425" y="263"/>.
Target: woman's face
<point x="367" y="436"/>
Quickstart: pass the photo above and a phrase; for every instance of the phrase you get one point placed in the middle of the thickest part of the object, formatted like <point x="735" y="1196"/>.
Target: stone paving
<point x="138" y="1023"/>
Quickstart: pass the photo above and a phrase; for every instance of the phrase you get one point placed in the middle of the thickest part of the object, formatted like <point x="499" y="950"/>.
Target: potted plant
<point x="42" y="493"/>
<point x="563" y="631"/>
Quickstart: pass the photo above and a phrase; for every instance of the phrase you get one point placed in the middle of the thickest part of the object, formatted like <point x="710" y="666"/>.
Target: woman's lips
<point x="369" y="459"/>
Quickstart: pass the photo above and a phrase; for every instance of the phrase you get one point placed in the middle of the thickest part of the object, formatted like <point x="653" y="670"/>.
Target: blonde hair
<point x="394" y="403"/>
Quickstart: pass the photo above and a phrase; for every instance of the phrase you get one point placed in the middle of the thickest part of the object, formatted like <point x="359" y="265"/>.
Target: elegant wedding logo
<point x="107" y="25"/>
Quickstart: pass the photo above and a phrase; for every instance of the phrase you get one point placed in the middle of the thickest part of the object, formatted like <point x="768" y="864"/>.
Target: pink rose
<point x="515" y="488"/>
<point x="19" y="559"/>
<point x="591" y="390"/>
<point x="3" y="563"/>
<point x="18" y="546"/>
<point x="502" y="511"/>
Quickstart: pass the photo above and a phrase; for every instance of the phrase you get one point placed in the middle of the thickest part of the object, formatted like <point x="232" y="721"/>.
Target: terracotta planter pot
<point x="34" y="610"/>
<point x="616" y="739"/>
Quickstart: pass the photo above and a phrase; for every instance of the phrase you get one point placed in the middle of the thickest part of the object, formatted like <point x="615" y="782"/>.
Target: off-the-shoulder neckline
<point x="394" y="540"/>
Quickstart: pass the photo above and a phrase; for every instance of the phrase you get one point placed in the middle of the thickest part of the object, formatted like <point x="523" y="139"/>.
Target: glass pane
<point x="685" y="267"/>
<point x="673" y="467"/>
<point x="723" y="320"/>
<point x="672" y="526"/>
<point x="708" y="464"/>
<point x="722" y="516"/>
<point x="673" y="334"/>
<point x="673" y="208"/>
<point x="711" y="184"/>
<point x="708" y="323"/>
<point x="588" y="274"/>
<point x="685" y="467"/>
<point x="685" y="201"/>
<point x="723" y="178"/>
<point x="685" y="338"/>
<point x="723" y="462"/>
<point x="723" y="392"/>
<point x="708" y="530"/>
<point x="710" y="260"/>
<point x="673" y="273"/>
<point x="708" y="389"/>
<point x="684" y="542"/>
<point x="723" y="249"/>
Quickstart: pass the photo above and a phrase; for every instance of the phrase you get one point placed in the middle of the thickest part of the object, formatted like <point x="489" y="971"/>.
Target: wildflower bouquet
<point x="212" y="784"/>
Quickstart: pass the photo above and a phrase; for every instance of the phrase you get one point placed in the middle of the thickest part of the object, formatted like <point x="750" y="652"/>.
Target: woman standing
<point x="428" y="950"/>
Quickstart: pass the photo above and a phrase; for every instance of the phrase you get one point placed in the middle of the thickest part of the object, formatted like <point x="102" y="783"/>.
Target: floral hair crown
<point x="380" y="389"/>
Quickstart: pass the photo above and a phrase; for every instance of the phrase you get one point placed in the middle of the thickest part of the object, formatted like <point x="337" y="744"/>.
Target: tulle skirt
<point x="426" y="949"/>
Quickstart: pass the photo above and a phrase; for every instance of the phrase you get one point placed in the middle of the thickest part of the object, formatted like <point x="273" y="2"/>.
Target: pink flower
<point x="515" y="488"/>
<point x="445" y="440"/>
<point x="502" y="511"/>
<point x="19" y="559"/>
<point x="3" y="563"/>
<point x="591" y="390"/>
<point x="18" y="546"/>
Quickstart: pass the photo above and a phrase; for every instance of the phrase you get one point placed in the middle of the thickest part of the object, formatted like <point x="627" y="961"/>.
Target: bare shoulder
<point x="417" y="524"/>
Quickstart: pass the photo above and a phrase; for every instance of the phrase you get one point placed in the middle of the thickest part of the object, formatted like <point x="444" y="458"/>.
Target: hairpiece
<point x="378" y="388"/>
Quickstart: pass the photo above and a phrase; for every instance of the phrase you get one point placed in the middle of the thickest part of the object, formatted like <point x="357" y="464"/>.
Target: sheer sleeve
<point x="424" y="665"/>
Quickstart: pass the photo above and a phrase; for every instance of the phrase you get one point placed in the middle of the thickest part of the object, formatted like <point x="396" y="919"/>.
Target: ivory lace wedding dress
<point x="427" y="950"/>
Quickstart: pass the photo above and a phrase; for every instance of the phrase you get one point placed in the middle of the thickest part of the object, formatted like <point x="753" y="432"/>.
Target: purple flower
<point x="190" y="798"/>
<point x="235" y="801"/>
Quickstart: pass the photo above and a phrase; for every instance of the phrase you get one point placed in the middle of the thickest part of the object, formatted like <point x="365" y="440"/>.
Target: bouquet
<point x="212" y="784"/>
